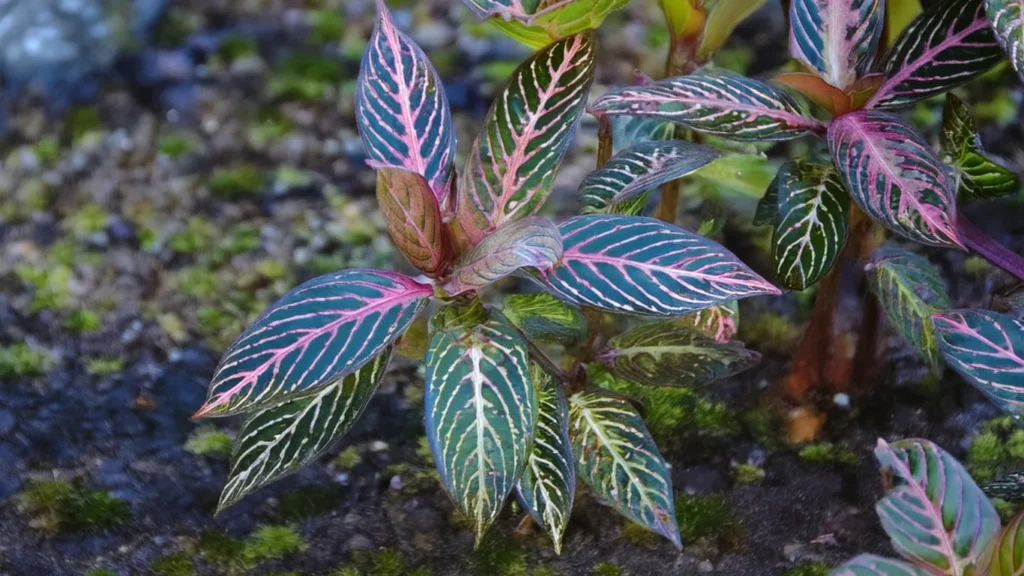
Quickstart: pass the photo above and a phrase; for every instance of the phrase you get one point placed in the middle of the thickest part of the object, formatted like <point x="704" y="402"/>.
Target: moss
<point x="976" y="267"/>
<point x="104" y="366"/>
<point x="270" y="127"/>
<point x="1006" y="510"/>
<point x="984" y="457"/>
<point x="95" y="510"/>
<point x="241" y="238"/>
<point x="306" y="502"/>
<point x="273" y="270"/>
<point x="388" y="562"/>
<point x="175" y="145"/>
<point x="328" y="26"/>
<point x="1001" y="108"/>
<point x="1015" y="445"/>
<point x="749" y="473"/>
<point x="243" y="181"/>
<point x="638" y="535"/>
<point x="209" y="441"/>
<point x="82" y="121"/>
<point x="499" y="555"/>
<point x="82" y="321"/>
<point x="89" y="219"/>
<point x="423" y="451"/>
<point x="770" y="331"/>
<point x="50" y="284"/>
<point x="809" y="569"/>
<point x="197" y="282"/>
<point x="21" y="361"/>
<point x="710" y="518"/>
<point x="179" y="564"/>
<point x="763" y="422"/>
<point x="826" y="453"/>
<point x="304" y="76"/>
<point x="197" y="236"/>
<point x="345" y="571"/>
<point x="48" y="150"/>
<point x="545" y="571"/>
<point x="349" y="458"/>
<point x="234" y="47"/>
<point x="607" y="569"/>
<point x="273" y="543"/>
<point x="220" y="550"/>
<point x="46" y="497"/>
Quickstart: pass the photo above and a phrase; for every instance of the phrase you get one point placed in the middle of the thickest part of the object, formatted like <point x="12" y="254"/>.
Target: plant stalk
<point x="682" y="59"/>
<point x="989" y="249"/>
<point x="866" y="363"/>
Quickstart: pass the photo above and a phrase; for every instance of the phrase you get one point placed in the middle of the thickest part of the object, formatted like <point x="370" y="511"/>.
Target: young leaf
<point x="1007" y="19"/>
<point x="946" y="45"/>
<point x="506" y="9"/>
<point x="910" y="289"/>
<point x="935" y="515"/>
<point x="315" y="334"/>
<point x="1007" y="557"/>
<point x="556" y="19"/>
<point x="548" y="484"/>
<point x="716" y="102"/>
<point x="810" y="223"/>
<point x="530" y="242"/>
<point x="616" y="456"/>
<point x="893" y="175"/>
<point x="546" y="318"/>
<point x="278" y="441"/>
<point x="718" y="322"/>
<point x="723" y="17"/>
<point x="987" y="349"/>
<point x="414" y="219"/>
<point x="871" y="565"/>
<point x="639" y="169"/>
<point x="481" y="409"/>
<point x="525" y="135"/>
<point x="401" y="108"/>
<point x="685" y="18"/>
<point x="672" y="353"/>
<point x="837" y="40"/>
<point x="980" y="177"/>
<point x="634" y="265"/>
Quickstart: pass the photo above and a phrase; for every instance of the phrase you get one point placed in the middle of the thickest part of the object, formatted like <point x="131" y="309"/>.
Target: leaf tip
<point x="209" y="410"/>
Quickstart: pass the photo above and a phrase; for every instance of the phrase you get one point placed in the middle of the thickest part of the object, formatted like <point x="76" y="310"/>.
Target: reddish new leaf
<point x="414" y="219"/>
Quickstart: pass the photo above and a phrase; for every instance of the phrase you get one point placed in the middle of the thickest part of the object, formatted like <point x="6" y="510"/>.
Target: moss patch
<point x="179" y="564"/>
<point x="209" y="441"/>
<point x="307" y="502"/>
<point x="709" y="518"/>
<point x="809" y="569"/>
<point x="21" y="361"/>
<point x="58" y="505"/>
<point x="220" y="550"/>
<point x="999" y="447"/>
<point x="826" y="453"/>
<point x="348" y="458"/>
<point x="273" y="543"/>
<point x="104" y="366"/>
<point x="499" y="555"/>
<point x="236" y="183"/>
<point x="607" y="569"/>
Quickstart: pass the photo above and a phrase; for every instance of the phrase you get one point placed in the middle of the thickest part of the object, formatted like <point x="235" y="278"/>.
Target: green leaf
<point x="413" y="344"/>
<point x="712" y="218"/>
<point x="525" y="135"/>
<point x="810" y="223"/>
<point x="278" y="441"/>
<point x="638" y="170"/>
<point x="531" y="242"/>
<point x="685" y="18"/>
<point x="723" y="17"/>
<point x="414" y="219"/>
<point x="616" y="456"/>
<point x="1007" y="19"/>
<point x="672" y="353"/>
<point x="718" y="322"/>
<point x="979" y="176"/>
<point x="548" y="484"/>
<point x="556" y="19"/>
<point x="628" y="131"/>
<point x="1007" y="557"/>
<point x="746" y="174"/>
<point x="935" y="514"/>
<point x="871" y="565"/>
<point x="481" y="409"/>
<point x="910" y="289"/>
<point x="767" y="211"/>
<point x="545" y="318"/>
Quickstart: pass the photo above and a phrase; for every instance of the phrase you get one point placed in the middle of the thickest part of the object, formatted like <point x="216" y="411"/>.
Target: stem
<point x="989" y="249"/>
<point x="604" y="140"/>
<point x="866" y="364"/>
<point x="810" y="364"/>
<point x="682" y="59"/>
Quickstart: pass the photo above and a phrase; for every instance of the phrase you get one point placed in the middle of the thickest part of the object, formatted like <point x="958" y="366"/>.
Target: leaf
<point x="530" y="242"/>
<point x="556" y="19"/>
<point x="525" y="135"/>
<point x="630" y="264"/>
<point x="935" y="515"/>
<point x="979" y="176"/>
<point x="481" y="409"/>
<point x="899" y="15"/>
<point x="628" y="131"/>
<point x="810" y="223"/>
<point x="718" y="322"/>
<point x="767" y="211"/>
<point x="617" y="458"/>
<point x="414" y="219"/>
<point x="894" y="176"/>
<point x="712" y="218"/>
<point x="722" y="18"/>
<point x="545" y="318"/>
<point x="685" y="18"/>
<point x="672" y="353"/>
<point x="871" y="565"/>
<point x="413" y="344"/>
<point x="746" y="174"/>
<point x="1007" y="19"/>
<point x="910" y="289"/>
<point x="946" y="45"/>
<point x="278" y="441"/>
<point x="836" y="40"/>
<point x="506" y="9"/>
<point x="1009" y="487"/>
<point x="1007" y="557"/>
<point x="987" y="349"/>
<point x="401" y="108"/>
<point x="715" y="102"/>
<point x="640" y="169"/>
<point x="548" y="484"/>
<point x="315" y="334"/>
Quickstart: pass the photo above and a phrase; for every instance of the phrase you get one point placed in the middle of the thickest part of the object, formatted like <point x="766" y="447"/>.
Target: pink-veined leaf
<point x="717" y="322"/>
<point x="836" y="39"/>
<point x="987" y="349"/>
<point x="946" y="45"/>
<point x="935" y="514"/>
<point x="715" y="102"/>
<point x="414" y="219"/>
<point x="636" y="265"/>
<point x="315" y="334"/>
<point x="402" y="110"/>
<point x="1007" y="19"/>
<point x="530" y="242"/>
<point x="524" y="137"/>
<point x="894" y="176"/>
<point x="871" y="565"/>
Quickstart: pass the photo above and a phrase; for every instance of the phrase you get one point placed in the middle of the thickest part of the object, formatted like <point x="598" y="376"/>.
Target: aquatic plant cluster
<point x="520" y="391"/>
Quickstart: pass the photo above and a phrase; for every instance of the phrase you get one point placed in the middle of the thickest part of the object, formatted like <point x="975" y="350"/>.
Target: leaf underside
<point x="531" y="242"/>
<point x="414" y="219"/>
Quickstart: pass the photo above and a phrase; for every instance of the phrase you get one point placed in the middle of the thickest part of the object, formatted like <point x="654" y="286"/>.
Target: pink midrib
<point x="419" y="165"/>
<point x="254" y="374"/>
<point x="965" y="328"/>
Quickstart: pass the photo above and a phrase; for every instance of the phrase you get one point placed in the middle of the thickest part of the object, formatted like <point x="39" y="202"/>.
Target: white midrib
<point x="477" y="377"/>
<point x="599" y="432"/>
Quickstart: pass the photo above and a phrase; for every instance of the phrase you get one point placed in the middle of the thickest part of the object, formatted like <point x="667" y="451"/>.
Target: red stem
<point x="989" y="249"/>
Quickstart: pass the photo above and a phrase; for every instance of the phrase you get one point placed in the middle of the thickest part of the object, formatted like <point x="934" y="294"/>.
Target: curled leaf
<point x="531" y="242"/>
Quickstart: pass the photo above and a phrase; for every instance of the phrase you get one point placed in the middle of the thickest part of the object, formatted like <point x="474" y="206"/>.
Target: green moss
<point x="89" y="219"/>
<point x="50" y="284"/>
<point x="82" y="121"/>
<point x="328" y="26"/>
<point x="220" y="550"/>
<point x="809" y="569"/>
<point x="179" y="564"/>
<point x="198" y="235"/>
<point x="104" y="366"/>
<point x="423" y="451"/>
<point x="976" y="267"/>
<point x="306" y="502"/>
<point x="1001" y="109"/>
<point x="209" y="441"/>
<point x="46" y="496"/>
<point x="499" y="555"/>
<point x="607" y="569"/>
<point x="96" y="510"/>
<point x="48" y="150"/>
<point x="234" y="47"/>
<point x="197" y="282"/>
<point x="749" y="473"/>
<point x="21" y="361"/>
<point x="1006" y="510"/>
<point x="241" y="238"/>
<point x="243" y="181"/>
<point x="388" y="562"/>
<point x="345" y="571"/>
<point x="1015" y="445"/>
<point x="349" y="458"/>
<point x="270" y="127"/>
<point x="710" y="518"/>
<point x="273" y="543"/>
<point x="175" y="145"/>
<point x="986" y="454"/>
<point x="83" y="321"/>
<point x="770" y="331"/>
<point x="763" y="423"/>
<point x="304" y="76"/>
<point x="638" y="535"/>
<point x="826" y="453"/>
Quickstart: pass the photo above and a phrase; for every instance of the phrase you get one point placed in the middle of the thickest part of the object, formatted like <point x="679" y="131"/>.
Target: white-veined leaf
<point x="1007" y="19"/>
<point x="836" y="40"/>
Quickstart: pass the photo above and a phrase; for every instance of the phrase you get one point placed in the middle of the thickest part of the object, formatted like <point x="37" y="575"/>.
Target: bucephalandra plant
<point x="500" y="415"/>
